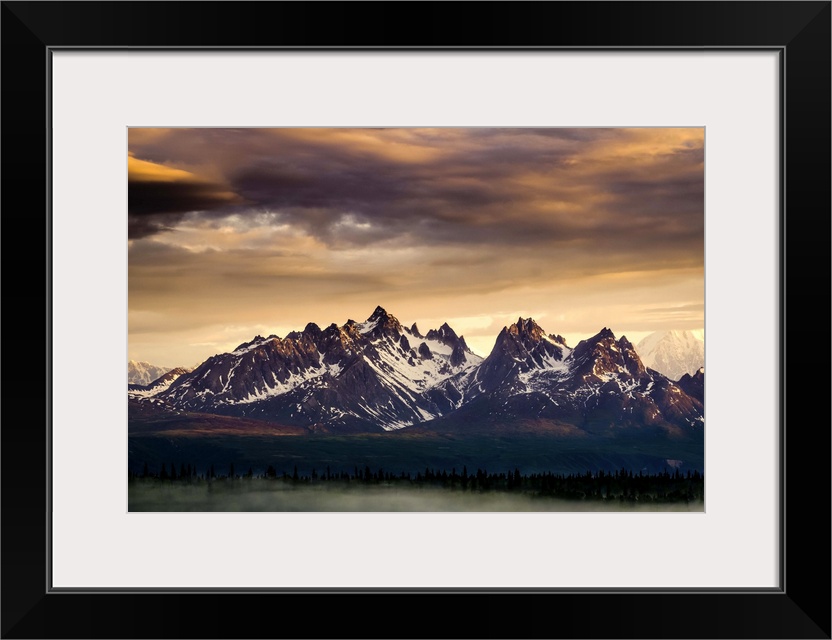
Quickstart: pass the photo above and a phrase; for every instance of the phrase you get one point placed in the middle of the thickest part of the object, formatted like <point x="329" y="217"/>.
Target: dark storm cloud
<point x="466" y="196"/>
<point x="158" y="196"/>
<point x="145" y="226"/>
<point x="158" y="206"/>
<point x="501" y="187"/>
<point x="146" y="197"/>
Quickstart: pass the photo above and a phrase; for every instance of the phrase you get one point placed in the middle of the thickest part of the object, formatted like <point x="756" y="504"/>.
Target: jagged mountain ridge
<point x="599" y="385"/>
<point x="379" y="374"/>
<point x="353" y="377"/>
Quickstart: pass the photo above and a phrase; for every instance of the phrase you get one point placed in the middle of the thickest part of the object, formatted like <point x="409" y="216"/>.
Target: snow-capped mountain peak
<point x="520" y="351"/>
<point x="380" y="323"/>
<point x="143" y="373"/>
<point x="673" y="353"/>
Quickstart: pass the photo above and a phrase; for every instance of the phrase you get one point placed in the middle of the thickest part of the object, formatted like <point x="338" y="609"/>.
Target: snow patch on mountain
<point x="150" y="391"/>
<point x="160" y="384"/>
<point x="275" y="387"/>
<point x="550" y="370"/>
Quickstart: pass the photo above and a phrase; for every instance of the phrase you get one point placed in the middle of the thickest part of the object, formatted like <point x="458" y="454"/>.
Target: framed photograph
<point x="220" y="183"/>
<point x="481" y="236"/>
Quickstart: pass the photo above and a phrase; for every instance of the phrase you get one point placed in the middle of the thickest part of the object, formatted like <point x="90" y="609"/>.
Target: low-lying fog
<point x="257" y="495"/>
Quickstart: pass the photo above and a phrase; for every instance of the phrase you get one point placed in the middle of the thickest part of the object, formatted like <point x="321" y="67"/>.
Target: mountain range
<point x="381" y="375"/>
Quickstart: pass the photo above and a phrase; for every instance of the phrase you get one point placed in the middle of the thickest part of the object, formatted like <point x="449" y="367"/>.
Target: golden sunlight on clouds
<point x="145" y="135"/>
<point x="235" y="232"/>
<point x="392" y="145"/>
<point x="642" y="144"/>
<point x="144" y="171"/>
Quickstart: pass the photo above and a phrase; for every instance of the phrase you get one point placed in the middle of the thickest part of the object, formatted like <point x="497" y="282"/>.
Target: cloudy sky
<point x="238" y="232"/>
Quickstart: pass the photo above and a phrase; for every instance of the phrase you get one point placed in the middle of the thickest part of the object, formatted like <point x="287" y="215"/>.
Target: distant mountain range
<point x="155" y="386"/>
<point x="143" y="372"/>
<point x="380" y="375"/>
<point x="673" y="353"/>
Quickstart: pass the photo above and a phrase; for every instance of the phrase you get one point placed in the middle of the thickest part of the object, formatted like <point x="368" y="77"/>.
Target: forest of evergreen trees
<point x="622" y="485"/>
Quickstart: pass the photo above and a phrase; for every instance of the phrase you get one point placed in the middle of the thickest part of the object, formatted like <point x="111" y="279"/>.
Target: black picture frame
<point x="799" y="31"/>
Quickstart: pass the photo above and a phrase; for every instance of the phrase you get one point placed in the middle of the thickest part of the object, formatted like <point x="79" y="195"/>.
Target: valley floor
<point x="413" y="452"/>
